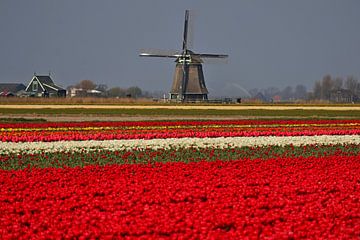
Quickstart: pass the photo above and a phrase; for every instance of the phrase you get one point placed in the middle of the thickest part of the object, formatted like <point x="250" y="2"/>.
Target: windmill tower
<point x="188" y="82"/>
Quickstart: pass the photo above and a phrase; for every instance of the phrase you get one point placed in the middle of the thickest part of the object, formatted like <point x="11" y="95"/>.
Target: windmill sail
<point x="186" y="27"/>
<point x="202" y="55"/>
<point x="159" y="53"/>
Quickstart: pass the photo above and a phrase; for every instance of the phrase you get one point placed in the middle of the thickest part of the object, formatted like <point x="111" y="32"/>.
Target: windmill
<point x="188" y="82"/>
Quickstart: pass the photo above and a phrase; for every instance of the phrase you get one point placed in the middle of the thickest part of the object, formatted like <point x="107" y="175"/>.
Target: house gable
<point x="45" y="86"/>
<point x="35" y="86"/>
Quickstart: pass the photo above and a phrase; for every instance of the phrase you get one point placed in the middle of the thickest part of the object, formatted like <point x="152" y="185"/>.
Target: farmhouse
<point x="44" y="86"/>
<point x="11" y="89"/>
<point x="343" y="96"/>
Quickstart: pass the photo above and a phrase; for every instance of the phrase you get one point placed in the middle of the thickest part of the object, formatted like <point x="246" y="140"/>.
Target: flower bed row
<point x="222" y="142"/>
<point x="129" y="124"/>
<point x="100" y="156"/>
<point x="314" y="197"/>
<point x="29" y="132"/>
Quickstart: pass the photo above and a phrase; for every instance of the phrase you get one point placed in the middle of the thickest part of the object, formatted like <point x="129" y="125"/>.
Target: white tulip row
<point x="221" y="142"/>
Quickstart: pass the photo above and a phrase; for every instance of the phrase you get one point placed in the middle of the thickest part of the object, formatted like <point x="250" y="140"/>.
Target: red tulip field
<point x="246" y="179"/>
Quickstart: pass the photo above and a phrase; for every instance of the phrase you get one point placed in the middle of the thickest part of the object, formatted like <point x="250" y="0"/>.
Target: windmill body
<point x="188" y="82"/>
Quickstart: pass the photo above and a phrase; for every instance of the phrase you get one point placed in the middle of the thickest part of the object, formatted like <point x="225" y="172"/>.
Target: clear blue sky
<point x="270" y="42"/>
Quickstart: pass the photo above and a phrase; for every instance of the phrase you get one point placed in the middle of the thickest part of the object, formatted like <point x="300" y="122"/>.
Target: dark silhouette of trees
<point x="352" y="84"/>
<point x="323" y="88"/>
<point x="287" y="93"/>
<point x="327" y="87"/>
<point x="116" y="92"/>
<point x="338" y="83"/>
<point x="300" y="92"/>
<point x="104" y="91"/>
<point x="86" y="85"/>
<point x="271" y="92"/>
<point x="317" y="92"/>
<point x="134" y="92"/>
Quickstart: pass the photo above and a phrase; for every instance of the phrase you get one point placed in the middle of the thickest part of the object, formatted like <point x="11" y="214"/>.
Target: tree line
<point x="323" y="89"/>
<point x="104" y="91"/>
<point x="289" y="93"/>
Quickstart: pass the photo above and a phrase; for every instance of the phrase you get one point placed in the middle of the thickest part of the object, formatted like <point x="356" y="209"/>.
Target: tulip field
<point x="210" y="179"/>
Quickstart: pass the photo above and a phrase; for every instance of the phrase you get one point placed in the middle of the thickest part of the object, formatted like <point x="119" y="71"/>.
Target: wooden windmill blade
<point x="185" y="34"/>
<point x="185" y="69"/>
<point x="206" y="55"/>
<point x="211" y="58"/>
<point x="159" y="53"/>
<point x="188" y="34"/>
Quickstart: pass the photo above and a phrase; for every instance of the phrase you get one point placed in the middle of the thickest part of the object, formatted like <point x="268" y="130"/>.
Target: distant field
<point x="231" y="107"/>
<point x="294" y="111"/>
<point x="144" y="101"/>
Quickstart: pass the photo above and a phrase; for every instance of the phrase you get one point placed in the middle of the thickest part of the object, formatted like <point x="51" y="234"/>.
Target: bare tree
<point x="351" y="83"/>
<point x="327" y="85"/>
<point x="116" y="92"/>
<point x="317" y="93"/>
<point x="287" y="93"/>
<point x="134" y="92"/>
<point x="271" y="92"/>
<point x="300" y="92"/>
<point x="324" y="88"/>
<point x="86" y="85"/>
<point x="338" y="83"/>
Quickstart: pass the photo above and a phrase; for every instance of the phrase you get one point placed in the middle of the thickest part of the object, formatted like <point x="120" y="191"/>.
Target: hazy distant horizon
<point x="270" y="43"/>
